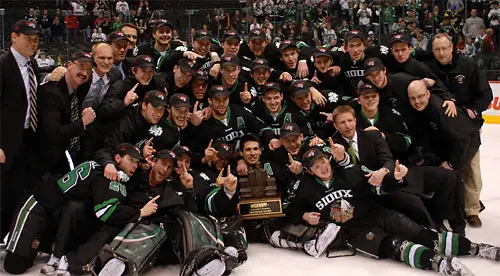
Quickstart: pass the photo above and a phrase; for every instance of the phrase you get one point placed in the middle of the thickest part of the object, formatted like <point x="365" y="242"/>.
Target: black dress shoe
<point x="482" y="206"/>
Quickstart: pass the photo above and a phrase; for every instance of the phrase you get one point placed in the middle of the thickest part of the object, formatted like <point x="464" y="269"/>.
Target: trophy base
<point x="260" y="208"/>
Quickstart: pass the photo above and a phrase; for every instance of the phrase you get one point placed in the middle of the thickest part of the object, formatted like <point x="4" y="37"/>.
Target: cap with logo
<point x="290" y="129"/>
<point x="372" y="64"/>
<point x="312" y="155"/>
<point x="224" y="150"/>
<point x="179" y="100"/>
<point x="229" y="59"/>
<point x="81" y="56"/>
<point x="156" y="98"/>
<point x="285" y="44"/>
<point x="178" y="150"/>
<point x="270" y="86"/>
<point x="200" y="75"/>
<point x="217" y="90"/>
<point x="400" y="38"/>
<point x="143" y="61"/>
<point x="229" y="35"/>
<point x="201" y="34"/>
<point x="186" y="65"/>
<point x="26" y="27"/>
<point x="354" y="34"/>
<point x="130" y="149"/>
<point x="165" y="154"/>
<point x="367" y="88"/>
<point x="257" y="34"/>
<point x="299" y="87"/>
<point x="163" y="22"/>
<point x="117" y="36"/>
<point x="260" y="63"/>
<point x="322" y="52"/>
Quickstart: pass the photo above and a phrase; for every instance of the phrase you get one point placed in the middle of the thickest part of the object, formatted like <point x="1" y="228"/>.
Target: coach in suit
<point x="63" y="123"/>
<point x="19" y="77"/>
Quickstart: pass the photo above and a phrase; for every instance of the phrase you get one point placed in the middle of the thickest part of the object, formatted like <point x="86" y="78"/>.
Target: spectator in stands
<point x="117" y="23"/>
<point x="71" y="22"/>
<point x="130" y="31"/>
<point x="45" y="22"/>
<point x="473" y="24"/>
<point x="123" y="10"/>
<point x="236" y="22"/>
<point x="388" y="15"/>
<point x="488" y="49"/>
<point x="494" y="18"/>
<point x="43" y="60"/>
<point x="258" y="9"/>
<point x="458" y="4"/>
<point x="421" y="41"/>
<point x="427" y="25"/>
<point x="31" y="15"/>
<point x="364" y="15"/>
<point x="143" y="11"/>
<point x="78" y="8"/>
<point x="470" y="49"/>
<point x="255" y="24"/>
<point x="57" y="30"/>
<point x="98" y="36"/>
<point x="101" y="21"/>
<point x="329" y="35"/>
<point x="141" y="31"/>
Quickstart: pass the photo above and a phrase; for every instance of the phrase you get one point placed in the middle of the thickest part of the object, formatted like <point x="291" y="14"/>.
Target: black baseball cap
<point x="130" y="149"/>
<point x="260" y="63"/>
<point x="228" y="35"/>
<point x="372" y="64"/>
<point x="353" y="34"/>
<point x="165" y="154"/>
<point x="163" y="22"/>
<point x="200" y="75"/>
<point x="82" y="56"/>
<point x="285" y="44"/>
<point x="494" y="3"/>
<point x="299" y="87"/>
<point x="312" y="155"/>
<point x="229" y="59"/>
<point x="26" y="27"/>
<point x="257" y="34"/>
<point x="178" y="150"/>
<point x="201" y="34"/>
<point x="224" y="150"/>
<point x="271" y="86"/>
<point x="179" y="100"/>
<point x="186" y="65"/>
<point x="117" y="36"/>
<point x="290" y="129"/>
<point x="401" y="38"/>
<point x="367" y="88"/>
<point x="322" y="52"/>
<point x="156" y="98"/>
<point x="217" y="90"/>
<point x="143" y="61"/>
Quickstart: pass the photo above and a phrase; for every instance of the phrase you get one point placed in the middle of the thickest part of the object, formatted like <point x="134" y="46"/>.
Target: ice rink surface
<point x="265" y="260"/>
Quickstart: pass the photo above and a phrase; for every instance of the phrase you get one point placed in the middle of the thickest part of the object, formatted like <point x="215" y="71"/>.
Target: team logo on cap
<point x="259" y="61"/>
<point x="310" y="153"/>
<point x="203" y="33"/>
<point x="184" y="148"/>
<point x="287" y="42"/>
<point x="231" y="33"/>
<point x="354" y="32"/>
<point x="190" y="64"/>
<point x="182" y="98"/>
<point x="148" y="59"/>
<point x="30" y="24"/>
<point x="371" y="63"/>
<point x="398" y="36"/>
<point x="160" y="95"/>
<point x="288" y="127"/>
<point x="323" y="50"/>
<point x="299" y="85"/>
<point x="87" y="55"/>
<point x="257" y="32"/>
<point x="228" y="58"/>
<point x="225" y="146"/>
<point x="200" y="72"/>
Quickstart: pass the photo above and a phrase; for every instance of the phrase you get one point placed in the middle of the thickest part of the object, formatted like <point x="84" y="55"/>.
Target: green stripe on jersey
<point x="20" y="222"/>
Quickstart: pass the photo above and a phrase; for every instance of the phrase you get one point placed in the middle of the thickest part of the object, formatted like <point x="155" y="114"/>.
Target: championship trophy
<point x="259" y="197"/>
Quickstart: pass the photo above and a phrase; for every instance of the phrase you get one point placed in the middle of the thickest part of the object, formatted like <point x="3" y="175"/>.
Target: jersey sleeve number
<point x="81" y="172"/>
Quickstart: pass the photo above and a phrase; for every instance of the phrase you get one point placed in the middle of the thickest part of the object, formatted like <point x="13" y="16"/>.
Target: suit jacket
<point x="56" y="126"/>
<point x="373" y="151"/>
<point x="13" y="106"/>
<point x="114" y="75"/>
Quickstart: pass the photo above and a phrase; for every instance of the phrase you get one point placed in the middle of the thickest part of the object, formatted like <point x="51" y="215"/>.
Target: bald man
<point x="103" y="76"/>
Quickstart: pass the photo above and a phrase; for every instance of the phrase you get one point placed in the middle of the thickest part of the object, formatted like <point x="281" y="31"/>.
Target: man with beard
<point x="301" y="96"/>
<point x="130" y="31"/>
<point x="162" y="45"/>
<point x="229" y="122"/>
<point x="177" y="80"/>
<point x="119" y="44"/>
<point x="62" y="120"/>
<point x="473" y="94"/>
<point x="85" y="183"/>
<point x="275" y="112"/>
<point x="124" y="93"/>
<point x="391" y="93"/>
<point x="199" y="53"/>
<point x="134" y="125"/>
<point x="103" y="76"/>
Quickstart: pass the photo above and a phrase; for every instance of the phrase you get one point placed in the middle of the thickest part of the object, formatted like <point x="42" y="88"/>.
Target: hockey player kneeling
<point x="366" y="225"/>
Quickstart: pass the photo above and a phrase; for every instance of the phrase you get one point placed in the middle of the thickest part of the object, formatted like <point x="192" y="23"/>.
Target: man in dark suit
<point x="63" y="123"/>
<point x="119" y="44"/>
<point x="102" y="77"/>
<point x="19" y="118"/>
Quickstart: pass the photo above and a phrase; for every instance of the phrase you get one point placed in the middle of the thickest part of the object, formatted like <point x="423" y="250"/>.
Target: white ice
<point x="266" y="260"/>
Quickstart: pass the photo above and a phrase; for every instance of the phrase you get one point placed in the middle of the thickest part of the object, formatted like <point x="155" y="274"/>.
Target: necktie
<point x="93" y="99"/>
<point x="352" y="153"/>
<point x="74" y="144"/>
<point x="33" y="97"/>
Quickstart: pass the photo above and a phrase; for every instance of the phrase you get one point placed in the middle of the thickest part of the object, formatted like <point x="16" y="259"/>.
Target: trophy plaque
<point x="259" y="197"/>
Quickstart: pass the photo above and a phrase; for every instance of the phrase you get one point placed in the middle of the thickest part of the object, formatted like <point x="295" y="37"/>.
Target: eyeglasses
<point x="83" y="68"/>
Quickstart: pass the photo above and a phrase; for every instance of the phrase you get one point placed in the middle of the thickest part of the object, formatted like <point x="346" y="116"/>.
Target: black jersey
<point x="287" y="114"/>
